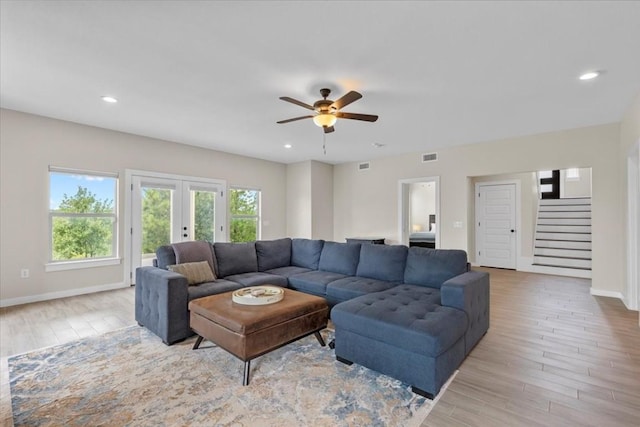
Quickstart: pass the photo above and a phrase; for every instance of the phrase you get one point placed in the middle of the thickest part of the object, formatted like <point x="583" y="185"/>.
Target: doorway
<point x="496" y="224"/>
<point x="166" y="209"/>
<point x="419" y="212"/>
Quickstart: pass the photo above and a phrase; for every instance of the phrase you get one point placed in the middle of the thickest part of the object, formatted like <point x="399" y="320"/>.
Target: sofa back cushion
<point x="340" y="258"/>
<point x="433" y="267"/>
<point x="383" y="262"/>
<point x="165" y="256"/>
<point x="306" y="253"/>
<point x="273" y="253"/>
<point x="183" y="252"/>
<point x="235" y="258"/>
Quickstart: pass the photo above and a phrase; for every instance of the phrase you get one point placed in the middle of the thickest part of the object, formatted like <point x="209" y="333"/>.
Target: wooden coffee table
<point x="249" y="331"/>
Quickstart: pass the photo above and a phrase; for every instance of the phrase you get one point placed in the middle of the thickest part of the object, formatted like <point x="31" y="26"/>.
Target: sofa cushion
<point x="165" y="256"/>
<point x="433" y="267"/>
<point x="351" y="287"/>
<point x="235" y="258"/>
<point x="383" y="262"/>
<point x="306" y="253"/>
<point x="288" y="271"/>
<point x="406" y="316"/>
<point x="195" y="272"/>
<point x="212" y="288"/>
<point x="258" y="279"/>
<point x="273" y="253"/>
<point x="340" y="258"/>
<point x="313" y="282"/>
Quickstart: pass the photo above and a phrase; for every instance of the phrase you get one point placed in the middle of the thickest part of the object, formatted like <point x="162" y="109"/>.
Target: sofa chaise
<point x="411" y="313"/>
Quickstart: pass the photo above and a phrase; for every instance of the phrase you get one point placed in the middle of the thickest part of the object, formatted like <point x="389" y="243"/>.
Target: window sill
<point x="77" y="265"/>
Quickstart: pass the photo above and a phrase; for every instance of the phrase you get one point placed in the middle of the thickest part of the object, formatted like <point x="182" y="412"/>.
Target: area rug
<point x="129" y="377"/>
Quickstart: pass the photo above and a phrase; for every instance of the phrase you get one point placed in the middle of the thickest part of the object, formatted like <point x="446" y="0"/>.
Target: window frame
<point x="257" y="217"/>
<point x="71" y="264"/>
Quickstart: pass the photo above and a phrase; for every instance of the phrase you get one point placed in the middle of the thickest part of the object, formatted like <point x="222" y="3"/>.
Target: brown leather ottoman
<point x="249" y="331"/>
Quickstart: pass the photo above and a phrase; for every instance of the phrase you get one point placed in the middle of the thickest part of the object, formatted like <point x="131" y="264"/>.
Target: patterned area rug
<point x="129" y="377"/>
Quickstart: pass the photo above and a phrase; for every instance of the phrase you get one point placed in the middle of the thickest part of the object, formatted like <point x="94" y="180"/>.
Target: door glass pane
<point x="156" y="221"/>
<point x="203" y="210"/>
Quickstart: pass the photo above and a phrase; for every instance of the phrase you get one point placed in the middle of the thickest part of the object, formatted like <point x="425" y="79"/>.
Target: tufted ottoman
<point x="403" y="332"/>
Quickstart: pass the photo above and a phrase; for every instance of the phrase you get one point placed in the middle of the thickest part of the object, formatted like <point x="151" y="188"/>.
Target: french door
<point x="169" y="210"/>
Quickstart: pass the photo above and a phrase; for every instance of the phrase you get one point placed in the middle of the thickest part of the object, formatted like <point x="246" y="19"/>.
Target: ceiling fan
<point x="328" y="111"/>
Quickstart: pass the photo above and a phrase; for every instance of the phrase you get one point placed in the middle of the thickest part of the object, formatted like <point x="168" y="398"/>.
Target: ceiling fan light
<point x="325" y="120"/>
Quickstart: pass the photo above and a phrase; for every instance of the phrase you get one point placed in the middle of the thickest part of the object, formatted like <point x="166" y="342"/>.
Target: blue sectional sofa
<point x="411" y="313"/>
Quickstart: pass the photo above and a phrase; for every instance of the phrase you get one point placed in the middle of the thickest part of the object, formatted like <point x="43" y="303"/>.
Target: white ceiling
<point x="210" y="73"/>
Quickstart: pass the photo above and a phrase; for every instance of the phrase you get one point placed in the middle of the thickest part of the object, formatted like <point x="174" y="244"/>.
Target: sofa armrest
<point x="469" y="292"/>
<point x="162" y="303"/>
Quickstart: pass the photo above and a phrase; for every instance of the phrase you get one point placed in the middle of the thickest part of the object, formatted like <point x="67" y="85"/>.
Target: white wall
<point x="322" y="200"/>
<point x="299" y="200"/>
<point x="629" y="137"/>
<point x="370" y="198"/>
<point x="572" y="188"/>
<point x="29" y="144"/>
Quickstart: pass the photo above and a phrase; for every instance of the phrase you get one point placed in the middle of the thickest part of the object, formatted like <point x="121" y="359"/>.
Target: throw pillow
<point x="195" y="272"/>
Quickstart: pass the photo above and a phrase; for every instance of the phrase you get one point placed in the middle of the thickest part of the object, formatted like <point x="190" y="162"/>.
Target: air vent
<point x="429" y="157"/>
<point x="364" y="166"/>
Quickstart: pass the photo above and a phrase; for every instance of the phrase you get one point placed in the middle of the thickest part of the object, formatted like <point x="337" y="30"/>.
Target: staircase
<point x="563" y="237"/>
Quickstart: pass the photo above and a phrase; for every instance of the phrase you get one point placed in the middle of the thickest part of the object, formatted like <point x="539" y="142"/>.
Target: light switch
<point x="457" y="224"/>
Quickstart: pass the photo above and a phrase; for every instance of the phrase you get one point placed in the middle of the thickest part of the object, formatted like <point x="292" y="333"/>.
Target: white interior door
<point x="496" y="240"/>
<point x="169" y="210"/>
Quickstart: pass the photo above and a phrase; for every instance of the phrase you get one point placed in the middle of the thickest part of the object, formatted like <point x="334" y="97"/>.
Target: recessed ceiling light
<point x="288" y="145"/>
<point x="590" y="75"/>
<point x="109" y="99"/>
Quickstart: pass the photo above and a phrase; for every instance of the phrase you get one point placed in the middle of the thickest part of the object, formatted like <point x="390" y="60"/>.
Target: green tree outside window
<point x="244" y="206"/>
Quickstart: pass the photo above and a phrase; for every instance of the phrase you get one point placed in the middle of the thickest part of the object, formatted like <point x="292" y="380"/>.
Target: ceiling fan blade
<point x="295" y="101"/>
<point x="328" y="129"/>
<point x="347" y="99"/>
<point x="356" y="116"/>
<point x="294" y="119"/>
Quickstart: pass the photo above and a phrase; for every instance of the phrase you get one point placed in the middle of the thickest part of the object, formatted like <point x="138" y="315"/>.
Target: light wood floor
<point x="554" y="354"/>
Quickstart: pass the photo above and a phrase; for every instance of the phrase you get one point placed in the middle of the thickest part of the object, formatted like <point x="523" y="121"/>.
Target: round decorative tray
<point x="258" y="295"/>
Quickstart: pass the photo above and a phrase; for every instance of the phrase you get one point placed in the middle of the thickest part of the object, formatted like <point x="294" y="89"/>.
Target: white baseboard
<point x="62" y="294"/>
<point x="603" y="293"/>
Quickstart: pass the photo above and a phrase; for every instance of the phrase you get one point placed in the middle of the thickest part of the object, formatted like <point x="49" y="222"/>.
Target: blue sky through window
<point x="67" y="183"/>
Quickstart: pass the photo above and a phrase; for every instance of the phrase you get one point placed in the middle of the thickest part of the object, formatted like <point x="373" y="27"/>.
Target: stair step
<point x="564" y="214"/>
<point x="576" y="237"/>
<point x="564" y="221"/>
<point x="563" y="244"/>
<point x="566" y="202"/>
<point x="562" y="262"/>
<point x="564" y="228"/>
<point x="565" y="208"/>
<point x="563" y="252"/>
<point x="556" y="266"/>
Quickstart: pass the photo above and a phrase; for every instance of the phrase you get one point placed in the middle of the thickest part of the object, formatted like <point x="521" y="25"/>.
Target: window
<point x="244" y="206"/>
<point x="82" y="215"/>
<point x="573" y="174"/>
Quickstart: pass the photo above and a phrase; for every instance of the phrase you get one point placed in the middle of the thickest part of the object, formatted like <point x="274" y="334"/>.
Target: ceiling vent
<point x="429" y="157"/>
<point x="364" y="166"/>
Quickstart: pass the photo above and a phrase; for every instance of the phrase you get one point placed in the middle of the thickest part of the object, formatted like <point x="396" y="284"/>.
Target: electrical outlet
<point x="457" y="224"/>
<point x="24" y="273"/>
